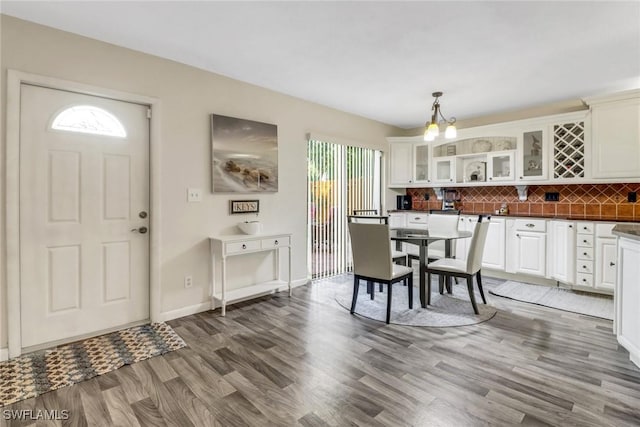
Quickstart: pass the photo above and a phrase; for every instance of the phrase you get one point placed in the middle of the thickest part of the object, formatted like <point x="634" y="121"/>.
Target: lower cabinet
<point x="561" y="247"/>
<point x="627" y="297"/>
<point x="606" y="256"/>
<point x="494" y="248"/>
<point x="527" y="246"/>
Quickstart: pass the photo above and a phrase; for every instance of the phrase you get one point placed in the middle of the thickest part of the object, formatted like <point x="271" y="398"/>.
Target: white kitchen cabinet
<point x="605" y="257"/>
<point x="500" y="166"/>
<point x="494" y="248"/>
<point x="527" y="241"/>
<point x="569" y="148"/>
<point x="400" y="165"/>
<point x="444" y="169"/>
<point x="397" y="220"/>
<point x="627" y="297"/>
<point x="409" y="163"/>
<point x="615" y="128"/>
<point x="533" y="154"/>
<point x="585" y="260"/>
<point x="561" y="251"/>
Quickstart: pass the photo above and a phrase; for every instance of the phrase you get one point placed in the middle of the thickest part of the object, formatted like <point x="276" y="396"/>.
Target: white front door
<point x="84" y="196"/>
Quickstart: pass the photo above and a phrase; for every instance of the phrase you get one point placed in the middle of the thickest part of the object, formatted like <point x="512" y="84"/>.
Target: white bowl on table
<point x="250" y="227"/>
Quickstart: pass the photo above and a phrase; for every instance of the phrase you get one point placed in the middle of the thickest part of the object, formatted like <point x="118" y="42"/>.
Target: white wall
<point x="188" y="97"/>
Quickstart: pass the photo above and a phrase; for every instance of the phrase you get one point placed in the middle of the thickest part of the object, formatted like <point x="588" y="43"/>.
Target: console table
<point x="242" y="244"/>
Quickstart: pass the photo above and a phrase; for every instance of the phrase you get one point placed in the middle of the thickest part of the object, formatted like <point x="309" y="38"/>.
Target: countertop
<point x="630" y="231"/>
<point x="564" y="217"/>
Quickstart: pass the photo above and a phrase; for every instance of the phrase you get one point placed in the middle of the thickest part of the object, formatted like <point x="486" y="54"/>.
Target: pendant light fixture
<point x="432" y="129"/>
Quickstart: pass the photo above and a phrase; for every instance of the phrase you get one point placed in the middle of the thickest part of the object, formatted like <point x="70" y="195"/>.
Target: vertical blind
<point x="341" y="178"/>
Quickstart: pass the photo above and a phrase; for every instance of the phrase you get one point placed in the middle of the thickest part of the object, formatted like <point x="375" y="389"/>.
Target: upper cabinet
<point x="409" y="162"/>
<point x="599" y="144"/>
<point x="615" y="126"/>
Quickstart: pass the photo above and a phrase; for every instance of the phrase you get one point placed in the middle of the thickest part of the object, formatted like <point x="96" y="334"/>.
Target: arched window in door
<point x="89" y="119"/>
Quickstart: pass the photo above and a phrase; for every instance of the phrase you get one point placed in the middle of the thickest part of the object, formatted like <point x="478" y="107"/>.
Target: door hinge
<point x="148" y="113"/>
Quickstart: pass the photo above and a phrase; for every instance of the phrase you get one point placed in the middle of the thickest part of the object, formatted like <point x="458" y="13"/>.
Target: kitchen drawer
<point x="585" y="254"/>
<point x="584" y="240"/>
<point x="604" y="230"/>
<point x="531" y="225"/>
<point x="584" y="227"/>
<point x="583" y="266"/>
<point x="275" y="242"/>
<point x="249" y="245"/>
<point x="584" y="279"/>
<point x="420" y="220"/>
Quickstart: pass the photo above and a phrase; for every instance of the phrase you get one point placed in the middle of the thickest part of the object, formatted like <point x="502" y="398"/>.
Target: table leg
<point x="223" y="270"/>
<point x="422" y="279"/>
<point x="447" y="254"/>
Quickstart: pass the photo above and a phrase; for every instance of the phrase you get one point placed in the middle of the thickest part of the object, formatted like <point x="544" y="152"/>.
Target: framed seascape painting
<point x="244" y="155"/>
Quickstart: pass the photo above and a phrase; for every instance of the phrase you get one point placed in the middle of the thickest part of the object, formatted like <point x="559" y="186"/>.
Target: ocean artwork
<point x="244" y="155"/>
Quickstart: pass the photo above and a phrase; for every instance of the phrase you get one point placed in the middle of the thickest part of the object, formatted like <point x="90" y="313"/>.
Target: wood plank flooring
<point x="305" y="361"/>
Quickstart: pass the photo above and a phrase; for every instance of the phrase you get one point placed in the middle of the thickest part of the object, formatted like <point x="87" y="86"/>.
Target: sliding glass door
<point x="341" y="179"/>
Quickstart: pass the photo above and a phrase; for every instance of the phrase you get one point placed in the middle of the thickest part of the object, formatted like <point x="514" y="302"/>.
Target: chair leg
<point x="356" y="283"/>
<point x="380" y="287"/>
<point x="389" y="287"/>
<point x="472" y="296"/>
<point x="410" y="290"/>
<point x="479" y="280"/>
<point x="372" y="286"/>
<point x="441" y="284"/>
<point x="456" y="280"/>
<point x="447" y="282"/>
<point x="428" y="288"/>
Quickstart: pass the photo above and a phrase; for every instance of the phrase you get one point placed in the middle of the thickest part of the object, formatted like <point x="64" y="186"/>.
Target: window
<point x="89" y="119"/>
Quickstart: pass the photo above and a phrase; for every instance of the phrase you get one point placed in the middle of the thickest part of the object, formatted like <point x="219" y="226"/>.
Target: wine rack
<point x="568" y="150"/>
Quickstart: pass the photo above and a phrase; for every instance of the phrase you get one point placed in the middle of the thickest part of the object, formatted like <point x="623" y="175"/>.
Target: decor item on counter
<point x="36" y="373"/>
<point x="475" y="171"/>
<point x="250" y="227"/>
<point x="481" y="146"/>
<point x="562" y="299"/>
<point x="244" y="155"/>
<point x="244" y="206"/>
<point x="504" y="209"/>
<point x="432" y="128"/>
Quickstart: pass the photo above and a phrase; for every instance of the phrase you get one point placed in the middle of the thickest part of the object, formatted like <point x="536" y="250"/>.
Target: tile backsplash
<point x="577" y="201"/>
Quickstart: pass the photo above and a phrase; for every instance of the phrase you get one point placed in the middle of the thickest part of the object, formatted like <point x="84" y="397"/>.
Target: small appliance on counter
<point x="404" y="203"/>
<point x="450" y="199"/>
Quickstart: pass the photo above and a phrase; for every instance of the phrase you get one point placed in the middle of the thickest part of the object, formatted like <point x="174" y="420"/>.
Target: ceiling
<point x="380" y="60"/>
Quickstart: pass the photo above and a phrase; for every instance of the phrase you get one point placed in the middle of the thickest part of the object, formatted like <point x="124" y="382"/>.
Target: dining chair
<point x="451" y="267"/>
<point x="396" y="255"/>
<point x="445" y="221"/>
<point x="371" y="249"/>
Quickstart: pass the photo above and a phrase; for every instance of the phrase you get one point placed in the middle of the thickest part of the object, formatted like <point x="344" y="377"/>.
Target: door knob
<point x="142" y="214"/>
<point x="141" y="230"/>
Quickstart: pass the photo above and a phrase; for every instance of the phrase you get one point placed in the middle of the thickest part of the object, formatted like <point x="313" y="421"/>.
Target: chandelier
<point x="432" y="129"/>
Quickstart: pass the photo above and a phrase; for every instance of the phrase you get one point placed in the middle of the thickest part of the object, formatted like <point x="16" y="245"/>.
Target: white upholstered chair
<point x="444" y="221"/>
<point x="370" y="216"/>
<point x="450" y="267"/>
<point x="371" y="249"/>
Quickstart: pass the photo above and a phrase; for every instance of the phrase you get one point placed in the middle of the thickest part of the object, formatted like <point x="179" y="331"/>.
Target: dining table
<point x="422" y="238"/>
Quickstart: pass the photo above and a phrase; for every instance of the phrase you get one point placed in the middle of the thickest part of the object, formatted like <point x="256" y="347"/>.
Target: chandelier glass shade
<point x="432" y="128"/>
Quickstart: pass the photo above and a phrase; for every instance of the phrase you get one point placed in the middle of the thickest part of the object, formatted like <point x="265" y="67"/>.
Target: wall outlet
<point x="632" y="197"/>
<point x="188" y="282"/>
<point x="194" y="195"/>
<point x="551" y="196"/>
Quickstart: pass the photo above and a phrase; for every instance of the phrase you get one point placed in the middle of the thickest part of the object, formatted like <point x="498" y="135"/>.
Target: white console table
<point x="243" y="244"/>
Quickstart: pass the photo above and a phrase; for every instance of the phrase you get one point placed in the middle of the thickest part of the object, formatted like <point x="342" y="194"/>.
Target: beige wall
<point x="188" y="96"/>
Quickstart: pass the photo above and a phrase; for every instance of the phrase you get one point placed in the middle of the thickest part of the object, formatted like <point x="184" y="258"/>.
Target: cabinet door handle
<point x="490" y="178"/>
<point x="584" y="280"/>
<point x="530" y="225"/>
<point x="611" y="263"/>
<point x="584" y="266"/>
<point x="521" y="178"/>
<point x="244" y="246"/>
<point x="570" y="226"/>
<point x="584" y="241"/>
<point x="585" y="254"/>
<point x="517" y="235"/>
<point x="276" y="242"/>
<point x="585" y="228"/>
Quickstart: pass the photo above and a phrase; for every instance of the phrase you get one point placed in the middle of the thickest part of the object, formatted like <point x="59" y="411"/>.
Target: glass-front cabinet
<point x="500" y="166"/>
<point x="444" y="169"/>
<point x="421" y="160"/>
<point x="532" y="155"/>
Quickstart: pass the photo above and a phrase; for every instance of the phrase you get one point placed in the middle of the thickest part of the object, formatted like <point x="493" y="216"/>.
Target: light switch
<point x="194" y="195"/>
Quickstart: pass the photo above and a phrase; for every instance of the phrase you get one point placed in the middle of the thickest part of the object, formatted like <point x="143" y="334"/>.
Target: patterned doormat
<point x="36" y="373"/>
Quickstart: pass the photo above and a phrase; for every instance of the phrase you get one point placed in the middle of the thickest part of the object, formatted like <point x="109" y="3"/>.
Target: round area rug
<point x="444" y="311"/>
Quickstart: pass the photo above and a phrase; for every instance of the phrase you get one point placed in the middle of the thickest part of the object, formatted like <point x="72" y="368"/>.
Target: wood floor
<point x="305" y="361"/>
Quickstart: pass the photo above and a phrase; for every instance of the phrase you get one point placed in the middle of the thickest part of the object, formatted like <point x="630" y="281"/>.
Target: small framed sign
<point x="244" y="206"/>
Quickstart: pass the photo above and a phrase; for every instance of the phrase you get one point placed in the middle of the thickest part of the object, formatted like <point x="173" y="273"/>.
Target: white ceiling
<point x="380" y="60"/>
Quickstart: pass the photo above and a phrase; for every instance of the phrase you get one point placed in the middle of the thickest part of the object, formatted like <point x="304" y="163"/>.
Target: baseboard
<point x="184" y="311"/>
<point x="634" y="352"/>
<point x="4" y="354"/>
<point x="205" y="306"/>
